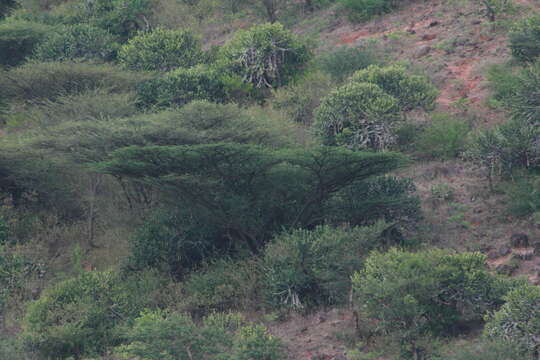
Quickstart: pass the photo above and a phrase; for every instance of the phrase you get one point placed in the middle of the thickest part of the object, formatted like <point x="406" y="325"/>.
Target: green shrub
<point x="343" y="61"/>
<point x="79" y="41"/>
<point x="309" y="268"/>
<point x="182" y="86"/>
<point x="174" y="243"/>
<point x="486" y="351"/>
<point x="254" y="342"/>
<point x="524" y="196"/>
<point x="162" y="50"/>
<point x="19" y="39"/>
<point x="524" y="39"/>
<point x="518" y="320"/>
<point x="413" y="295"/>
<point x="358" y="115"/>
<point x="83" y="315"/>
<point x="361" y="10"/>
<point x="503" y="82"/>
<point x="158" y="335"/>
<point x="300" y="100"/>
<point x="266" y="56"/>
<point x="224" y="284"/>
<point x="49" y="80"/>
<point x="444" y="138"/>
<point x="122" y="18"/>
<point x="411" y="91"/>
<point x="387" y="198"/>
<point x="6" y="6"/>
<point x="525" y="105"/>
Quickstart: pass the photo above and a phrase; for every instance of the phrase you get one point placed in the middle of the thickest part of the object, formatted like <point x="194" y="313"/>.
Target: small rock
<point x="423" y="51"/>
<point x="476" y="22"/>
<point x="434" y="23"/>
<point x="504" y="250"/>
<point x="428" y="37"/>
<point x="492" y="255"/>
<point x="519" y="240"/>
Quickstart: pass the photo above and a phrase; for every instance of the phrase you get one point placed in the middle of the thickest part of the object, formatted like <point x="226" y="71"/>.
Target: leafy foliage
<point x="361" y="10"/>
<point x="266" y="56"/>
<point x="82" y="315"/>
<point x="162" y="50"/>
<point x="49" y="80"/>
<point x="246" y="191"/>
<point x="81" y="41"/>
<point x="343" y="61"/>
<point x="157" y="335"/>
<point x="358" y="115"/>
<point x="495" y="350"/>
<point x="184" y="85"/>
<point x="19" y="39"/>
<point x="418" y="294"/>
<point x="411" y="91"/>
<point x="305" y="268"/>
<point x="518" y="320"/>
<point x="255" y="342"/>
<point x="444" y="138"/>
<point x="524" y="39"/>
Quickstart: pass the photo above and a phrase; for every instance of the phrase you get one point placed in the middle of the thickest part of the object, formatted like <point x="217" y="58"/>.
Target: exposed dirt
<point x="314" y="337"/>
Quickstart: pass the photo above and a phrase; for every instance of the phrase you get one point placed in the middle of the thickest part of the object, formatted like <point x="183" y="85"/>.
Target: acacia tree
<point x="246" y="192"/>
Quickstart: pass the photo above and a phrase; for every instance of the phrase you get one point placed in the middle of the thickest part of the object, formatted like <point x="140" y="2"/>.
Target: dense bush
<point x="387" y="198"/>
<point x="79" y="41"/>
<point x="157" y="335"/>
<point x="184" y="85"/>
<point x="518" y="320"/>
<point x="525" y="39"/>
<point x="82" y="315"/>
<point x="224" y="284"/>
<point x="524" y="196"/>
<point x="122" y="18"/>
<point x="343" y="61"/>
<point x="49" y="80"/>
<point x="6" y="6"/>
<point x="361" y="10"/>
<point x="411" y="91"/>
<point x="417" y="294"/>
<point x="266" y="55"/>
<point x="444" y="138"/>
<point x="358" y="115"/>
<point x="525" y="105"/>
<point x="162" y="50"/>
<point x="255" y="342"/>
<point x="307" y="268"/>
<point x="299" y="100"/>
<point x="18" y="40"/>
<point x="175" y="243"/>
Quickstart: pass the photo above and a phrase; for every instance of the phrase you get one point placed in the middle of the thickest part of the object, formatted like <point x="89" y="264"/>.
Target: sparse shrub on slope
<point x="162" y="50"/>
<point x="444" y="138"/>
<point x="524" y="39"/>
<point x="411" y="91"/>
<point x="518" y="320"/>
<point x="81" y="41"/>
<point x="19" y="39"/>
<point x="359" y="116"/>
<point x="343" y="61"/>
<point x="362" y="10"/>
<point x="266" y="56"/>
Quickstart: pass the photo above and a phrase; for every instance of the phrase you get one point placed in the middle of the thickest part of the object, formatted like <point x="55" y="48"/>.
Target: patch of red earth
<point x="314" y="336"/>
<point x="461" y="72"/>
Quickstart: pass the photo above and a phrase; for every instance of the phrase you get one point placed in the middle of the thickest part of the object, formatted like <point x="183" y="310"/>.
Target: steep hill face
<point x="454" y="43"/>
